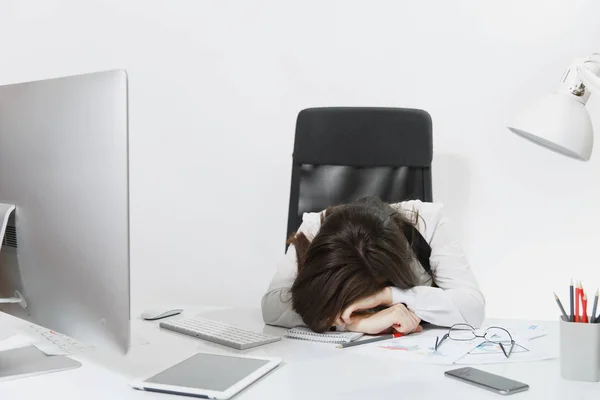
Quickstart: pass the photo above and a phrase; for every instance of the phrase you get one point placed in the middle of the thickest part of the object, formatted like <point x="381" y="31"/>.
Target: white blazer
<point x="457" y="299"/>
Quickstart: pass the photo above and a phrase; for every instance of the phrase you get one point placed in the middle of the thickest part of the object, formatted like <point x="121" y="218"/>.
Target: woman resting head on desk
<point x="372" y="267"/>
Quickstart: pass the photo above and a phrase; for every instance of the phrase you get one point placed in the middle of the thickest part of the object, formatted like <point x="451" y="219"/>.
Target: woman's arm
<point x="457" y="299"/>
<point x="277" y="302"/>
<point x="396" y="318"/>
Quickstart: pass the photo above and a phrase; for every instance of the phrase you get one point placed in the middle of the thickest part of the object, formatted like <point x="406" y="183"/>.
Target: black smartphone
<point x="486" y="380"/>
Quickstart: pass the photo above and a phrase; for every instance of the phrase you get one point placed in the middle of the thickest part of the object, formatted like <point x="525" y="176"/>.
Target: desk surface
<point x="309" y="370"/>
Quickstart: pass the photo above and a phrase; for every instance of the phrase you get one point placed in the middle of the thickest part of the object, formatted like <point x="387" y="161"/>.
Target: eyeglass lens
<point x="462" y="332"/>
<point x="498" y="335"/>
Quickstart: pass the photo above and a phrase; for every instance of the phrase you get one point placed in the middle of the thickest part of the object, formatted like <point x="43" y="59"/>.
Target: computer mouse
<point x="157" y="313"/>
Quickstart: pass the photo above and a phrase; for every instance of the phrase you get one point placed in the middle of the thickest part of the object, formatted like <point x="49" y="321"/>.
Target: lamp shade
<point x="559" y="122"/>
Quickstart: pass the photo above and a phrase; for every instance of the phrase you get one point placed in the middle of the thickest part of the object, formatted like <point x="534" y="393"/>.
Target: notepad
<point x="327" y="337"/>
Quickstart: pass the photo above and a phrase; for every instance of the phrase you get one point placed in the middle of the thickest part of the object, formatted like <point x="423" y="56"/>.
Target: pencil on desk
<point x="375" y="339"/>
<point x="562" y="310"/>
<point x="571" y="297"/>
<point x="593" y="318"/>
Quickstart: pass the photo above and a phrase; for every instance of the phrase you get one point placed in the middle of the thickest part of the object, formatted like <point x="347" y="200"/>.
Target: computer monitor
<point x="64" y="169"/>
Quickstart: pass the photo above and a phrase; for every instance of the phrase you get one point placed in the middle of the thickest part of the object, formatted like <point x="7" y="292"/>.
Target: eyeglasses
<point x="493" y="334"/>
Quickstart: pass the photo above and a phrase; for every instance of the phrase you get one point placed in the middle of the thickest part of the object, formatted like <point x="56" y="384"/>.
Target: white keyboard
<point x="218" y="332"/>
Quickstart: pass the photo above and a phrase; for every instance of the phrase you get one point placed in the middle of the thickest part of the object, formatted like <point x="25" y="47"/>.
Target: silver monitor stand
<point x="26" y="361"/>
<point x="6" y="211"/>
<point x="29" y="361"/>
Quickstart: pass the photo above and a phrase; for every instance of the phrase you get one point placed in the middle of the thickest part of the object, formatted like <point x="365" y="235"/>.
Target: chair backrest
<point x="344" y="153"/>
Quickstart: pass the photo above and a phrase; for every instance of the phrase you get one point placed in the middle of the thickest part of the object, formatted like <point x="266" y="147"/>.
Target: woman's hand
<point x="397" y="317"/>
<point x="381" y="298"/>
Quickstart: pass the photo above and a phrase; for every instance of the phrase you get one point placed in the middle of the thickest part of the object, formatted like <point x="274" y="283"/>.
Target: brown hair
<point x="359" y="250"/>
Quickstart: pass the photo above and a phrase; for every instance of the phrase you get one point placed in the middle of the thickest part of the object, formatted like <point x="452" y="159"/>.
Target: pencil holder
<point x="579" y="351"/>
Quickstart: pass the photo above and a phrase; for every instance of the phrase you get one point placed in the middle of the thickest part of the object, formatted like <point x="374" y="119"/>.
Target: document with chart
<point x="420" y="347"/>
<point x="416" y="348"/>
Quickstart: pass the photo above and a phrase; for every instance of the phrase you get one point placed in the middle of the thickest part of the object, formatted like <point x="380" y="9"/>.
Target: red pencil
<point x="577" y="303"/>
<point x="581" y="292"/>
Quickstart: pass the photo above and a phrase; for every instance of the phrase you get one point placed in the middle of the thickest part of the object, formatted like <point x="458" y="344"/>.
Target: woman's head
<point x="359" y="250"/>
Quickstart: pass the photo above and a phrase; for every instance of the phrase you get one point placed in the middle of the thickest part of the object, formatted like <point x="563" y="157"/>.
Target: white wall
<point x="215" y="88"/>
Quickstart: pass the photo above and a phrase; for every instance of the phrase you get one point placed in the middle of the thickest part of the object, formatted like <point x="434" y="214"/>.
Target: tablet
<point x="209" y="376"/>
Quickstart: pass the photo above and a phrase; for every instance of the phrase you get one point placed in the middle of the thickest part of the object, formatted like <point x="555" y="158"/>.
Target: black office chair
<point x="344" y="153"/>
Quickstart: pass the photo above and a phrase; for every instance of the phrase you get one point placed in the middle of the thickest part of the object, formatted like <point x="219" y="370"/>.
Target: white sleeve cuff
<point x="403" y="296"/>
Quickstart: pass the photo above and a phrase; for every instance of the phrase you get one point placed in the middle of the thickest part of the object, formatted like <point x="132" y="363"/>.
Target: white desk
<point x="309" y="371"/>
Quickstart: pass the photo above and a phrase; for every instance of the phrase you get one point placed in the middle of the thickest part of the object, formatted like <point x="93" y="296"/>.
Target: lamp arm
<point x="589" y="73"/>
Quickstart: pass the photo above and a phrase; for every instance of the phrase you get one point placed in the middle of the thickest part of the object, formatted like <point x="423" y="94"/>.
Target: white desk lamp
<point x="560" y="121"/>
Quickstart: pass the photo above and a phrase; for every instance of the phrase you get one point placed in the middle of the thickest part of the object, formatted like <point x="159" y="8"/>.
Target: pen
<point x="562" y="310"/>
<point x="584" y="308"/>
<point x="571" y="297"/>
<point x="593" y="318"/>
<point x="375" y="339"/>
